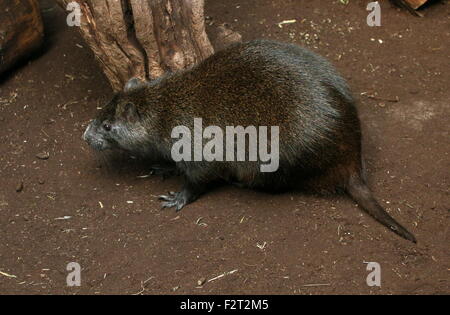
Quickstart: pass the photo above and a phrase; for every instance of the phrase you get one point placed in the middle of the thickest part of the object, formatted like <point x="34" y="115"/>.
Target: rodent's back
<point x="257" y="83"/>
<point x="266" y="83"/>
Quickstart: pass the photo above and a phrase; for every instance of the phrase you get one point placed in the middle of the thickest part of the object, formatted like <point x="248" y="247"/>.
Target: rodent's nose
<point x="85" y="136"/>
<point x="87" y="140"/>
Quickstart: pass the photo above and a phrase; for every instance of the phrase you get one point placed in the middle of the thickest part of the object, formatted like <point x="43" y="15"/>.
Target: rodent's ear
<point x="130" y="113"/>
<point x="133" y="84"/>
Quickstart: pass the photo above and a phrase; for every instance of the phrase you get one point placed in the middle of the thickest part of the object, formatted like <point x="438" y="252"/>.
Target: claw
<point x="164" y="198"/>
<point x="173" y="200"/>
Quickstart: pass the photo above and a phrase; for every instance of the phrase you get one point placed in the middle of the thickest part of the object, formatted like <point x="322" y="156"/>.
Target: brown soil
<point x="278" y="243"/>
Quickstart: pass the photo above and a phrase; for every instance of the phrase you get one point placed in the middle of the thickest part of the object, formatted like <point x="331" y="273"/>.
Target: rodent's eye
<point x="107" y="127"/>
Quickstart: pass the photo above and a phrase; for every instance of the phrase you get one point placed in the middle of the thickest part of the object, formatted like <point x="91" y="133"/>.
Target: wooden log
<point x="410" y="5"/>
<point x="415" y="4"/>
<point x="21" y="31"/>
<point x="143" y="38"/>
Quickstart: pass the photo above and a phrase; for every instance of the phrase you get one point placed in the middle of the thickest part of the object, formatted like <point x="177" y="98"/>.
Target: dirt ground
<point x="73" y="208"/>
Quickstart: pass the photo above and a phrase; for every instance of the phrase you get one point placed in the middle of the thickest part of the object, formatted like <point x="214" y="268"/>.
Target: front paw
<point x="174" y="200"/>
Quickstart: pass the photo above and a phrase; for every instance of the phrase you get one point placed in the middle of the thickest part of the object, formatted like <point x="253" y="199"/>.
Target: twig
<point x="143" y="286"/>
<point x="317" y="285"/>
<point x="223" y="275"/>
<point x="374" y="97"/>
<point x="7" y="275"/>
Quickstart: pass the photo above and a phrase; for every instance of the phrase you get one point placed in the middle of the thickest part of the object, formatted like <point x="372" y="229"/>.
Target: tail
<point x="359" y="192"/>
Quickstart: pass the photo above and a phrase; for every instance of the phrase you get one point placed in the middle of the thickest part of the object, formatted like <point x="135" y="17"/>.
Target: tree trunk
<point x="143" y="38"/>
<point x="21" y="30"/>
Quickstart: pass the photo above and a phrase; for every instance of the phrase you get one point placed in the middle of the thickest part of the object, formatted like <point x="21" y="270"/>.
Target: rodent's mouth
<point x="98" y="145"/>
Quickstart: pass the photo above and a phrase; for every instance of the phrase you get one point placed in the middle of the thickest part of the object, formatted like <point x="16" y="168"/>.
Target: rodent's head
<point x="117" y="126"/>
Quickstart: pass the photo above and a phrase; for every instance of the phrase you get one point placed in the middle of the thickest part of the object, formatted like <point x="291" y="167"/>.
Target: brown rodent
<point x="257" y="83"/>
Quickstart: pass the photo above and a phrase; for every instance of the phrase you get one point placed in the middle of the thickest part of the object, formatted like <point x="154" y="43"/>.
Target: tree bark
<point x="143" y="38"/>
<point x="21" y="30"/>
